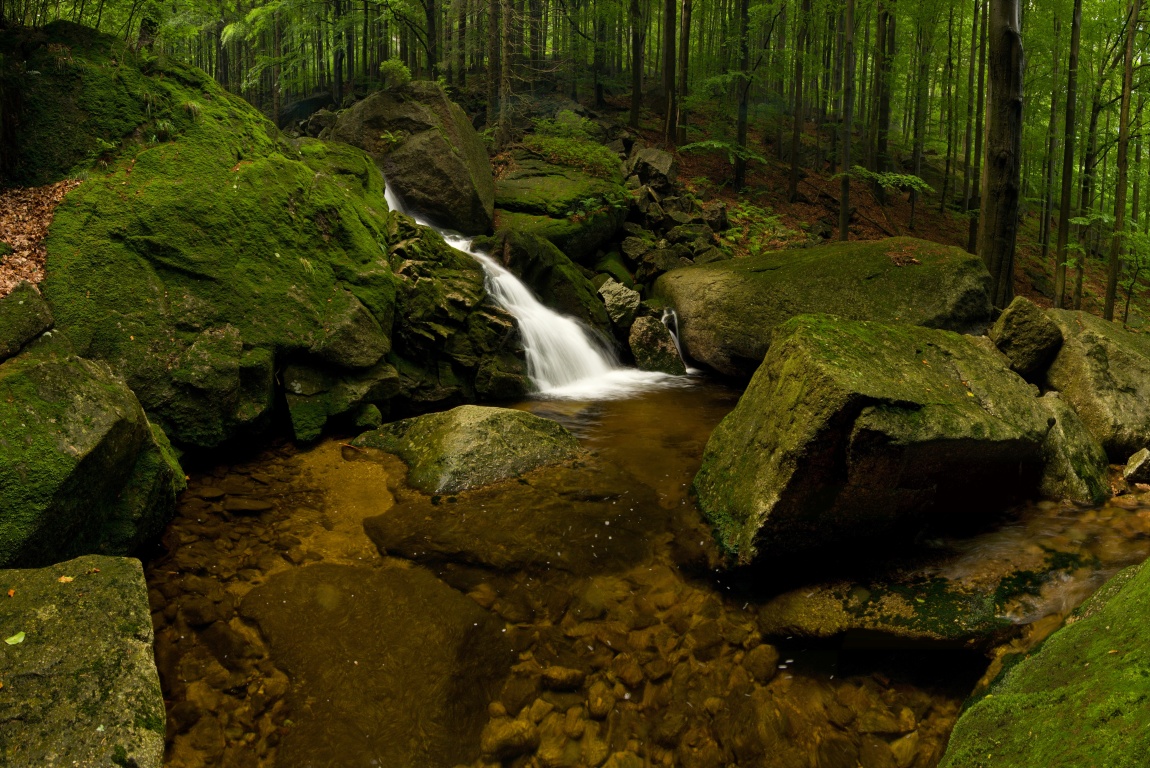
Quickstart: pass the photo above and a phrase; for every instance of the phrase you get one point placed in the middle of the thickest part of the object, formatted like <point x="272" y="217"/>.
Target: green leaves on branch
<point x="892" y="182"/>
<point x="733" y="150"/>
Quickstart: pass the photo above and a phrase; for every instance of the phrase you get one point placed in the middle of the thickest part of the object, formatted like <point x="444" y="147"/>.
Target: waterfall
<point x="670" y="320"/>
<point x="564" y="358"/>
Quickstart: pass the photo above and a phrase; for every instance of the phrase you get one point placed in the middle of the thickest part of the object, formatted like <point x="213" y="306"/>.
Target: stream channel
<point x="311" y="609"/>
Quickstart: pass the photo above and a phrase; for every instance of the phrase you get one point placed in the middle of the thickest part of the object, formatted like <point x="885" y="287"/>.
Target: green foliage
<point x="754" y="229"/>
<point x="902" y="182"/>
<point x="587" y="156"/>
<point x="566" y="125"/>
<point x="732" y="149"/>
<point x="393" y="73"/>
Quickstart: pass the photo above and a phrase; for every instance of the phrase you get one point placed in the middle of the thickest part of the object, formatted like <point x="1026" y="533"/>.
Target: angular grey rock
<point x="654" y="347"/>
<point x="1075" y="466"/>
<point x="1027" y="337"/>
<point x="622" y="303"/>
<point x="1138" y="467"/>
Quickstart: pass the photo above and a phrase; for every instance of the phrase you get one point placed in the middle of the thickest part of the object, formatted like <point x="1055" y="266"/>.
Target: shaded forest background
<point x="813" y="118"/>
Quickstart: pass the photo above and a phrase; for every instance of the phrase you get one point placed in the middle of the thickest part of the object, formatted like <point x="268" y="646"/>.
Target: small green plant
<point x="587" y="156"/>
<point x="194" y="109"/>
<point x="165" y="130"/>
<point x="566" y="125"/>
<point x="391" y="140"/>
<point x="730" y="148"/>
<point x="893" y="182"/>
<point x="394" y="73"/>
<point x="754" y="229"/>
<point x="101" y="152"/>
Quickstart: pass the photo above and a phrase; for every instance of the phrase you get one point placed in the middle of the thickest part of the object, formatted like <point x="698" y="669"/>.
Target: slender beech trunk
<point x="669" y="12"/>
<point x="969" y="140"/>
<point x="1051" y="151"/>
<point x="744" y="90"/>
<point x="979" y="132"/>
<point x="1123" y="163"/>
<point x="948" y="103"/>
<point x="636" y="62"/>
<point x="848" y="111"/>
<point x="1067" y="157"/>
<point x="797" y="117"/>
<point x="505" y="64"/>
<point x="998" y="229"/>
<point x="684" y="51"/>
<point x="492" y="63"/>
<point x="922" y="81"/>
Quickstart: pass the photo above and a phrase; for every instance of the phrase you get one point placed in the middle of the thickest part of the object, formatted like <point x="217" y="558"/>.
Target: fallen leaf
<point x="65" y="579"/>
<point x="11" y="593"/>
<point x="16" y="639"/>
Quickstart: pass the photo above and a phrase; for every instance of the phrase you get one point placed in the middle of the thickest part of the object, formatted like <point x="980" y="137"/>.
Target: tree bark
<point x="1123" y="164"/>
<point x="998" y="228"/>
<point x="669" y="12"/>
<point x="979" y="135"/>
<point x="797" y="116"/>
<point x="1051" y="151"/>
<point x="1067" y="157"/>
<point x="848" y="112"/>
<point x="505" y="64"/>
<point x="684" y="53"/>
<point x="636" y="62"/>
<point x="744" y="91"/>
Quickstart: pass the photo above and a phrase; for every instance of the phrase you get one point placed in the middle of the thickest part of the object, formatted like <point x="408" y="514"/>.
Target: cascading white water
<point x="564" y="360"/>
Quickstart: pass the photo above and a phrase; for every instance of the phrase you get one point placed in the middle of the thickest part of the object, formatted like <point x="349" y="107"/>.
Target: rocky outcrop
<point x="472" y="446"/>
<point x="428" y="151"/>
<point x="576" y="211"/>
<point x="1027" y="337"/>
<point x="81" y="469"/>
<point x="1137" y="469"/>
<point x="654" y="168"/>
<point x="23" y="317"/>
<point x="727" y="310"/>
<point x="654" y="347"/>
<point x="1103" y="371"/>
<point x="1074" y="464"/>
<point x="1088" y="679"/>
<point x="621" y="302"/>
<point x="853" y="430"/>
<point x="426" y="658"/>
<point x="80" y="681"/>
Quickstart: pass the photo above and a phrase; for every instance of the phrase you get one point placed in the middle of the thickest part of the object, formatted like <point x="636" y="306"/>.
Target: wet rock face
<point x="81" y="688"/>
<point x="423" y="660"/>
<point x="428" y="151"/>
<point x="1027" y="336"/>
<point x="1075" y="466"/>
<point x="654" y="348"/>
<point x="23" y="317"/>
<point x="1103" y="371"/>
<point x="472" y="446"/>
<point x="728" y="310"/>
<point x="1137" y="469"/>
<point x="1089" y="679"/>
<point x="622" y="303"/>
<point x="850" y="429"/>
<point x="81" y="469"/>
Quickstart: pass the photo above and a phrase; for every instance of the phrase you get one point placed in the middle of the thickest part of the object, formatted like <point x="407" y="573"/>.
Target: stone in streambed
<point x="728" y="310"/>
<point x="390" y="653"/>
<point x="854" y="429"/>
<point x="1027" y="337"/>
<point x="654" y="347"/>
<point x="1137" y="469"/>
<point x="81" y="688"/>
<point x="471" y="446"/>
<point x="622" y="303"/>
<point x="1103" y="372"/>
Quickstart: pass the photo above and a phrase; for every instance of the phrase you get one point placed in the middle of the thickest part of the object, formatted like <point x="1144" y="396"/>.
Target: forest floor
<point x="25" y="215"/>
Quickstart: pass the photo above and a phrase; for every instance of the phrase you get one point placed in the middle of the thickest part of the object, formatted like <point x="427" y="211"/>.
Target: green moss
<point x="23" y="316"/>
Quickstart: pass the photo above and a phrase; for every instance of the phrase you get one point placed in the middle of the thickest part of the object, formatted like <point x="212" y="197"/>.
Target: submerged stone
<point x="80" y="685"/>
<point x="853" y="430"/>
<point x="728" y="310"/>
<point x="472" y="446"/>
<point x="405" y="665"/>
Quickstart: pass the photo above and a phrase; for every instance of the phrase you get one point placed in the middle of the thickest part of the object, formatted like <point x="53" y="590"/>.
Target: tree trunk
<point x="797" y="116"/>
<point x="1051" y="151"/>
<point x="636" y="62"/>
<point x="1123" y="163"/>
<point x="669" y="11"/>
<point x="969" y="141"/>
<point x="922" y="80"/>
<point x="505" y="64"/>
<point x="1067" y="157"/>
<point x="847" y="116"/>
<point x="684" y="52"/>
<point x="979" y="133"/>
<point x="744" y="87"/>
<point x="492" y="63"/>
<point x="998" y="229"/>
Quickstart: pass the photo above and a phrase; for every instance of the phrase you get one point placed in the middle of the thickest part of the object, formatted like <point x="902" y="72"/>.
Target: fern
<point x="905" y="182"/>
<point x="734" y="151"/>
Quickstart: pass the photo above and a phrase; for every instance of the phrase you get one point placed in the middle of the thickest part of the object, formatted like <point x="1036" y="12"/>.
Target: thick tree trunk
<point x="1067" y="157"/>
<point x="847" y="116"/>
<point x="1123" y="163"/>
<point x="998" y="229"/>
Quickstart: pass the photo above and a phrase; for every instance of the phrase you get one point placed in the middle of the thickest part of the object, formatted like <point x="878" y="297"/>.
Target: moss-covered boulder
<point x="1082" y="699"/>
<point x="472" y="446"/>
<point x="211" y="256"/>
<point x="429" y="152"/>
<point x="558" y="281"/>
<point x="1026" y="336"/>
<point x="81" y="469"/>
<point x="23" y="316"/>
<point x="80" y="681"/>
<point x="654" y="347"/>
<point x="1103" y="371"/>
<point x="1074" y="465"/>
<point x="576" y="211"/>
<point x="416" y="664"/>
<point x="728" y="309"/>
<point x="854" y="430"/>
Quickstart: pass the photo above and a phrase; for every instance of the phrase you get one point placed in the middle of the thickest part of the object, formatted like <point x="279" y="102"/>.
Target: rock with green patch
<point x="556" y="280"/>
<point x="80" y="684"/>
<point x="576" y="211"/>
<point x="81" y="469"/>
<point x="429" y="152"/>
<point x="728" y="309"/>
<point x="1083" y="698"/>
<point x="1027" y="337"/>
<point x="23" y="316"/>
<point x="1137" y="469"/>
<point x="1074" y="465"/>
<point x="654" y="347"/>
<point x="621" y="303"/>
<point x="314" y="397"/>
<point x="854" y="430"/>
<point x="417" y="664"/>
<point x="472" y="446"/>
<point x="1103" y="371"/>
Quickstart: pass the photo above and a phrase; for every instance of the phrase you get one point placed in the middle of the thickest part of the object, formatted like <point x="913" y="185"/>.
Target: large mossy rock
<point x="206" y="262"/>
<point x="854" y="430"/>
<point x="556" y="280"/>
<point x="429" y="152"/>
<point x="576" y="211"/>
<point x="81" y="469"/>
<point x="81" y="687"/>
<point x="728" y="309"/>
<point x="1027" y="337"/>
<point x="406" y="664"/>
<point x="1082" y="699"/>
<point x="472" y="446"/>
<point x="23" y="316"/>
<point x="654" y="347"/>
<point x="1075" y="466"/>
<point x="1103" y="371"/>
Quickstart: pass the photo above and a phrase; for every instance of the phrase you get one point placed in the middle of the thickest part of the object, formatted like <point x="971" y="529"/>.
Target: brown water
<point x="572" y="617"/>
